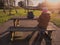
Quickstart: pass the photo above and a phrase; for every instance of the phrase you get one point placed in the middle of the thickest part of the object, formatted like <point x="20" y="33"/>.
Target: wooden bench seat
<point x="12" y="28"/>
<point x="23" y="19"/>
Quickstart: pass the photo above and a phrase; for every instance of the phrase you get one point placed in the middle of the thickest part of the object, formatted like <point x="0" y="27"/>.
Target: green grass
<point x="4" y="17"/>
<point x="37" y="12"/>
<point x="22" y="12"/>
<point x="55" y="19"/>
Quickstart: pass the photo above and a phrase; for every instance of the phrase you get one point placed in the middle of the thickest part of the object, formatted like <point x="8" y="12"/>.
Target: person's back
<point x="43" y="20"/>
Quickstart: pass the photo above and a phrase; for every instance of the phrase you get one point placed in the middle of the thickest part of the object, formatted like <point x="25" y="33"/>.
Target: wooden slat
<point x="12" y="28"/>
<point x="23" y="19"/>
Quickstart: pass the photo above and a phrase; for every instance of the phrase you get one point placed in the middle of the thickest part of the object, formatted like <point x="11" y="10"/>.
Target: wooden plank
<point x="23" y="19"/>
<point x="2" y="35"/>
<point x="12" y="28"/>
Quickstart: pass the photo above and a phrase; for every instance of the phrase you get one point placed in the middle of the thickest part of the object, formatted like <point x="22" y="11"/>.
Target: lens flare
<point x="53" y="1"/>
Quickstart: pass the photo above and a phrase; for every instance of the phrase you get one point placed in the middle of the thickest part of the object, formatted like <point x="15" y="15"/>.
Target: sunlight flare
<point x="53" y="1"/>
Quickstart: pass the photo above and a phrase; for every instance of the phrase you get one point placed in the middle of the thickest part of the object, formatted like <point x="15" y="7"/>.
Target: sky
<point x="35" y="2"/>
<point x="54" y="1"/>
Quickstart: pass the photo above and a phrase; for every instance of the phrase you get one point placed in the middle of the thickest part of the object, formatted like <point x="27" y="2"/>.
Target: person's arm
<point x="40" y="18"/>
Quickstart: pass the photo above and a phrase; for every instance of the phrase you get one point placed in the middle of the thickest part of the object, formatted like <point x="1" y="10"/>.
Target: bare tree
<point x="12" y="6"/>
<point x="4" y="7"/>
<point x="21" y="4"/>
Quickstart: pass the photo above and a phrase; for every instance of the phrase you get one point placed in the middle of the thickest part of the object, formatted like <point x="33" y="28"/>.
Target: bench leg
<point x="12" y="35"/>
<point x="14" y="22"/>
<point x="17" y="22"/>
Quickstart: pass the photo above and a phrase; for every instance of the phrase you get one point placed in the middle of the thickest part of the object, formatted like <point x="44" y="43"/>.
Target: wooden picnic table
<point x="27" y="29"/>
<point x="16" y="20"/>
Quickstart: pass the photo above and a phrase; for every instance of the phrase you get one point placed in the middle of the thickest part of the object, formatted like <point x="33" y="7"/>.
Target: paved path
<point x="55" y="35"/>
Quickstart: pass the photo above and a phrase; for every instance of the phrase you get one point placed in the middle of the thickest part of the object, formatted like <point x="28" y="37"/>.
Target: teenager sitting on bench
<point x="43" y="21"/>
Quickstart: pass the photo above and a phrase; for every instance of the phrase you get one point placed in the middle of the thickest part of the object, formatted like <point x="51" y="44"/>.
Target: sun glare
<point x="53" y="1"/>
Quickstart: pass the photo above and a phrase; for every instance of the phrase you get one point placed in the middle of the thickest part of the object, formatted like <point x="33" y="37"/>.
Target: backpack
<point x="30" y="15"/>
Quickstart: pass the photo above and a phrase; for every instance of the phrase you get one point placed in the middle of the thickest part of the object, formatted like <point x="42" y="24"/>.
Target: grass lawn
<point x="55" y="18"/>
<point x="22" y="12"/>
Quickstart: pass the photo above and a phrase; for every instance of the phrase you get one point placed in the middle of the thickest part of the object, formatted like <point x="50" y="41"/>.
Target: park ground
<point x="5" y="23"/>
<point x="5" y="37"/>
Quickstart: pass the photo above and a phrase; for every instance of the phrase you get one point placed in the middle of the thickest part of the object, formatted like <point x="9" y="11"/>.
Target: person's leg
<point x="41" y="36"/>
<point x="35" y="40"/>
<point x="38" y="39"/>
<point x="47" y="39"/>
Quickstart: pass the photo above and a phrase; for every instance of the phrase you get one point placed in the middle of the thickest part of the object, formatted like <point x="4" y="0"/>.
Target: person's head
<point x="45" y="10"/>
